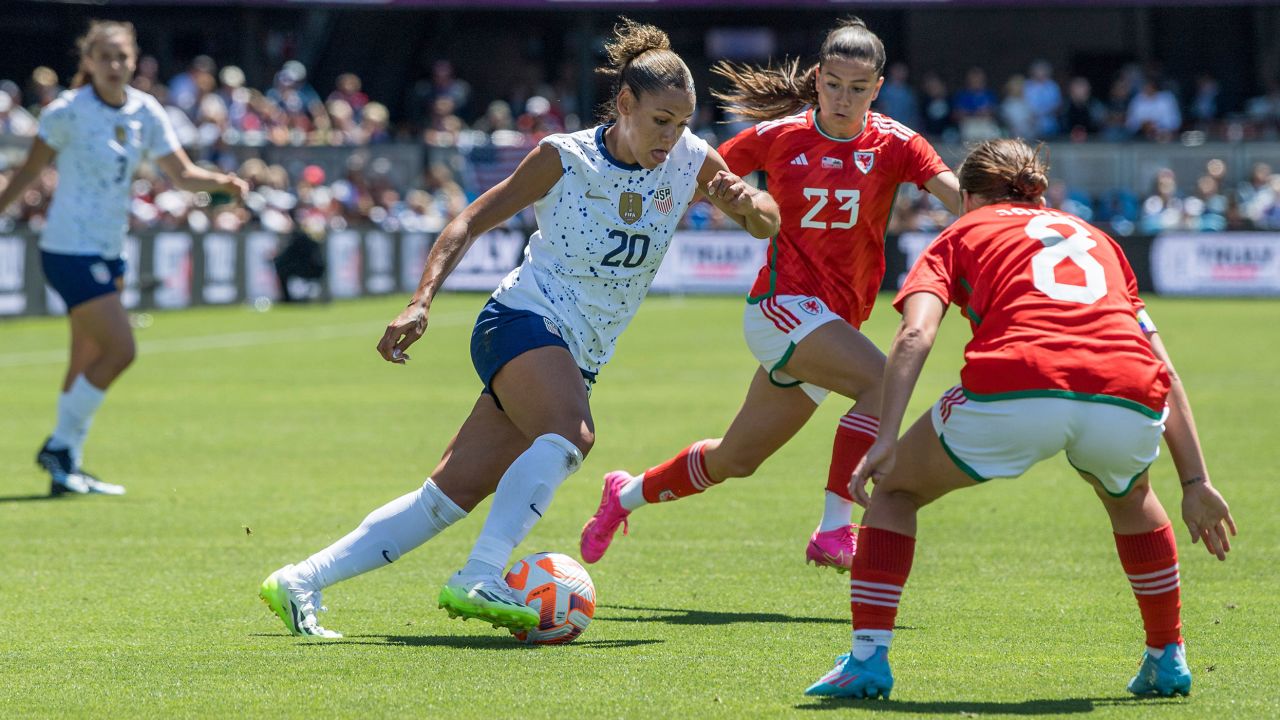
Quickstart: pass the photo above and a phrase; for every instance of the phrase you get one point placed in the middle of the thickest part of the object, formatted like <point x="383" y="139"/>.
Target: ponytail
<point x="641" y="59"/>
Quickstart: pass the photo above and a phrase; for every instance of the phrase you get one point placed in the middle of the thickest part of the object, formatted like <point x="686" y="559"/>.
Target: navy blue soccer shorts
<point x="502" y="334"/>
<point x="81" y="278"/>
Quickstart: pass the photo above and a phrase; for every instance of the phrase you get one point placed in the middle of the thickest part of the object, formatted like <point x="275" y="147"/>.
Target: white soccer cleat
<point x="295" y="603"/>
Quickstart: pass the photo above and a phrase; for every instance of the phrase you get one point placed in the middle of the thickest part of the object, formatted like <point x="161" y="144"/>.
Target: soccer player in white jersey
<point x="98" y="132"/>
<point x="607" y="202"/>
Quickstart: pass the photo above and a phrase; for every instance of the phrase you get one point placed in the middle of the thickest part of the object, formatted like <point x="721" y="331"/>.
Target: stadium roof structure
<point x="849" y="5"/>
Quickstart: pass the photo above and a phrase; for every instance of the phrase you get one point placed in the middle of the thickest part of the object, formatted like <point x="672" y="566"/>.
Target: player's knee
<point x="735" y="465"/>
<point x="120" y="355"/>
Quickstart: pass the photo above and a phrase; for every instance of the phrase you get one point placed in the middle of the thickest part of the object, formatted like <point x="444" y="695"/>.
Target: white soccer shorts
<point x="775" y="325"/>
<point x="1004" y="438"/>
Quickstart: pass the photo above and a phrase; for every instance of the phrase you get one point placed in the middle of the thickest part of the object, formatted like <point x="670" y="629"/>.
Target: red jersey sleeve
<point x="920" y="162"/>
<point x="935" y="272"/>
<point x="745" y="152"/>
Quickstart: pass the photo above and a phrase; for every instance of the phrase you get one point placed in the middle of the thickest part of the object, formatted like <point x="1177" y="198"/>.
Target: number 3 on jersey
<point x="1058" y="248"/>
<point x="847" y="198"/>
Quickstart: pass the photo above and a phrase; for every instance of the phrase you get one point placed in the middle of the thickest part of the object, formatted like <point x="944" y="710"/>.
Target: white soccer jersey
<point x="602" y="232"/>
<point x="99" y="148"/>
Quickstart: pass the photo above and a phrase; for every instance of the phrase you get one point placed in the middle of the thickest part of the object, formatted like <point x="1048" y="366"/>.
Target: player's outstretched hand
<point x="874" y="466"/>
<point x="731" y="190"/>
<point x="237" y="187"/>
<point x="402" y="332"/>
<point x="1208" y="518"/>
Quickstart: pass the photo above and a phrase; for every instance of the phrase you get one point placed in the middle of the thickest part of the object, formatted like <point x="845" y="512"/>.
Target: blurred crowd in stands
<point x="472" y="142"/>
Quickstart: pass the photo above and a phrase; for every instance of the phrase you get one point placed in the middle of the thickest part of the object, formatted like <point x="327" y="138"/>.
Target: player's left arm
<point x="1205" y="512"/>
<point x="921" y="315"/>
<point x="753" y="209"/>
<point x="188" y="176"/>
<point x="946" y="187"/>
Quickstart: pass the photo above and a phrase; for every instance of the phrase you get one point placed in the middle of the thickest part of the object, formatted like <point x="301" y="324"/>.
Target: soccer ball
<point x="560" y="590"/>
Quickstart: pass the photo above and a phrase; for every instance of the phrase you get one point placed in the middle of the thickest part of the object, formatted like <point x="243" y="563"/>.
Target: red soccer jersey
<point x="1053" y="305"/>
<point x="835" y="197"/>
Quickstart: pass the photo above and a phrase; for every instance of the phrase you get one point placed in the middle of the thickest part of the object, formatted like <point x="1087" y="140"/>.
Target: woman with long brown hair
<point x="97" y="133"/>
<point x="1064" y="359"/>
<point x="834" y="166"/>
<point x="607" y="201"/>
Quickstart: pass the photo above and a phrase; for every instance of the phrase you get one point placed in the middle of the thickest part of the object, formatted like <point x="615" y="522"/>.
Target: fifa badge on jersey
<point x="121" y="134"/>
<point x="832" y="163"/>
<point x="864" y="160"/>
<point x="630" y="207"/>
<point x="811" y="305"/>
<point x="662" y="201"/>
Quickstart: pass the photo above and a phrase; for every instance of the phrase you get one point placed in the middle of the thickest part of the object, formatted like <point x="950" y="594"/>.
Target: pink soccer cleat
<point x="599" y="530"/>
<point x="833" y="548"/>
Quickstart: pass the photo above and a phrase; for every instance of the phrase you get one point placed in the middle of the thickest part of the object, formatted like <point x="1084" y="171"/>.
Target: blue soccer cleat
<point x="851" y="678"/>
<point x="1166" y="677"/>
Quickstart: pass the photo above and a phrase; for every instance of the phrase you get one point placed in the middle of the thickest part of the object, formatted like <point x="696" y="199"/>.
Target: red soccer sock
<point x="880" y="570"/>
<point x="854" y="436"/>
<point x="1151" y="562"/>
<point x="685" y="474"/>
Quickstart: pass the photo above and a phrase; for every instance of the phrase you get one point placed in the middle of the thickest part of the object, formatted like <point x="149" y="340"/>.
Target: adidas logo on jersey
<point x="800" y="160"/>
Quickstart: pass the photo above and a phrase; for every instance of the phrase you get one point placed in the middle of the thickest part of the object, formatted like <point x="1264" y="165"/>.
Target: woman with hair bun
<point x="98" y="132"/>
<point x="834" y="166"/>
<point x="1064" y="358"/>
<point x="607" y="201"/>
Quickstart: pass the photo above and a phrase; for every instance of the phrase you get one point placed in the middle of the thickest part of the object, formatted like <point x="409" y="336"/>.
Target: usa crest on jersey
<point x="662" y="201"/>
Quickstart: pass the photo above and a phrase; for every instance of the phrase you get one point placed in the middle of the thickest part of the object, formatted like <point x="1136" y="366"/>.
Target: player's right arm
<point x="536" y="175"/>
<point x="38" y="158"/>
<point x="1203" y="509"/>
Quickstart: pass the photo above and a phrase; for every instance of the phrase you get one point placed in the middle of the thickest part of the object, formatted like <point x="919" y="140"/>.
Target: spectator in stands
<point x="500" y="126"/>
<point x="147" y="78"/>
<point x="186" y="88"/>
<point x="1118" y="100"/>
<point x="444" y="127"/>
<point x="1059" y="197"/>
<point x="1256" y="194"/>
<point x="44" y="87"/>
<point x="1016" y="114"/>
<point x="14" y="119"/>
<point x="1083" y="115"/>
<point x="1204" y="104"/>
<point x="1162" y="209"/>
<point x="897" y="99"/>
<point x="975" y="108"/>
<point x="299" y="101"/>
<point x="1153" y="113"/>
<point x="347" y="88"/>
<point x="938" y="121"/>
<point x="538" y="121"/>
<point x="1045" y="98"/>
<point x="1206" y="209"/>
<point x="1265" y="109"/>
<point x="374" y="123"/>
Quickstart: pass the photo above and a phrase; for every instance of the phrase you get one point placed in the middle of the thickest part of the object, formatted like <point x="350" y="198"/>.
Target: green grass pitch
<point x="248" y="440"/>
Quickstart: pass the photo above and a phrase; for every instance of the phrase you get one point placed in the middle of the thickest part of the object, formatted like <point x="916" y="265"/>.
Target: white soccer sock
<point x="76" y="408"/>
<point x="523" y="495"/>
<point x="387" y="533"/>
<point x="836" y="513"/>
<point x="865" y="642"/>
<point x="632" y="495"/>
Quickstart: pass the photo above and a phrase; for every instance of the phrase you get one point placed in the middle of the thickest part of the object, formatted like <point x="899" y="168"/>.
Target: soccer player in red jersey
<point x="833" y="166"/>
<point x="1064" y="358"/>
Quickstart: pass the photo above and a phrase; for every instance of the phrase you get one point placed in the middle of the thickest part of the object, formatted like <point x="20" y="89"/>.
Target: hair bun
<point x="1029" y="183"/>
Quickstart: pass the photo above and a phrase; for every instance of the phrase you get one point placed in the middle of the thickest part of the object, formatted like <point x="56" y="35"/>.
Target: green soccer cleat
<point x="486" y="598"/>
<point x="295" y="603"/>
<point x="1165" y="677"/>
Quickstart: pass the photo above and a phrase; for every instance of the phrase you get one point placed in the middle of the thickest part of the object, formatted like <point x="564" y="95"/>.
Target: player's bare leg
<point x="543" y="394"/>
<point x="886" y="546"/>
<point x="102" y="346"/>
<point x="468" y="471"/>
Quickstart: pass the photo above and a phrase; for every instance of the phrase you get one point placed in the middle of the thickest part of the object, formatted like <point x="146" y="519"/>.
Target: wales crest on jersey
<point x="662" y="201"/>
<point x="863" y="160"/>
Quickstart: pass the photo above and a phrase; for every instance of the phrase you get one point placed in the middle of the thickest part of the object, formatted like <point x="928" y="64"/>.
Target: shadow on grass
<point x="675" y="616"/>
<point x="1064" y="706"/>
<point x="27" y="498"/>
<point x="478" y="642"/>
